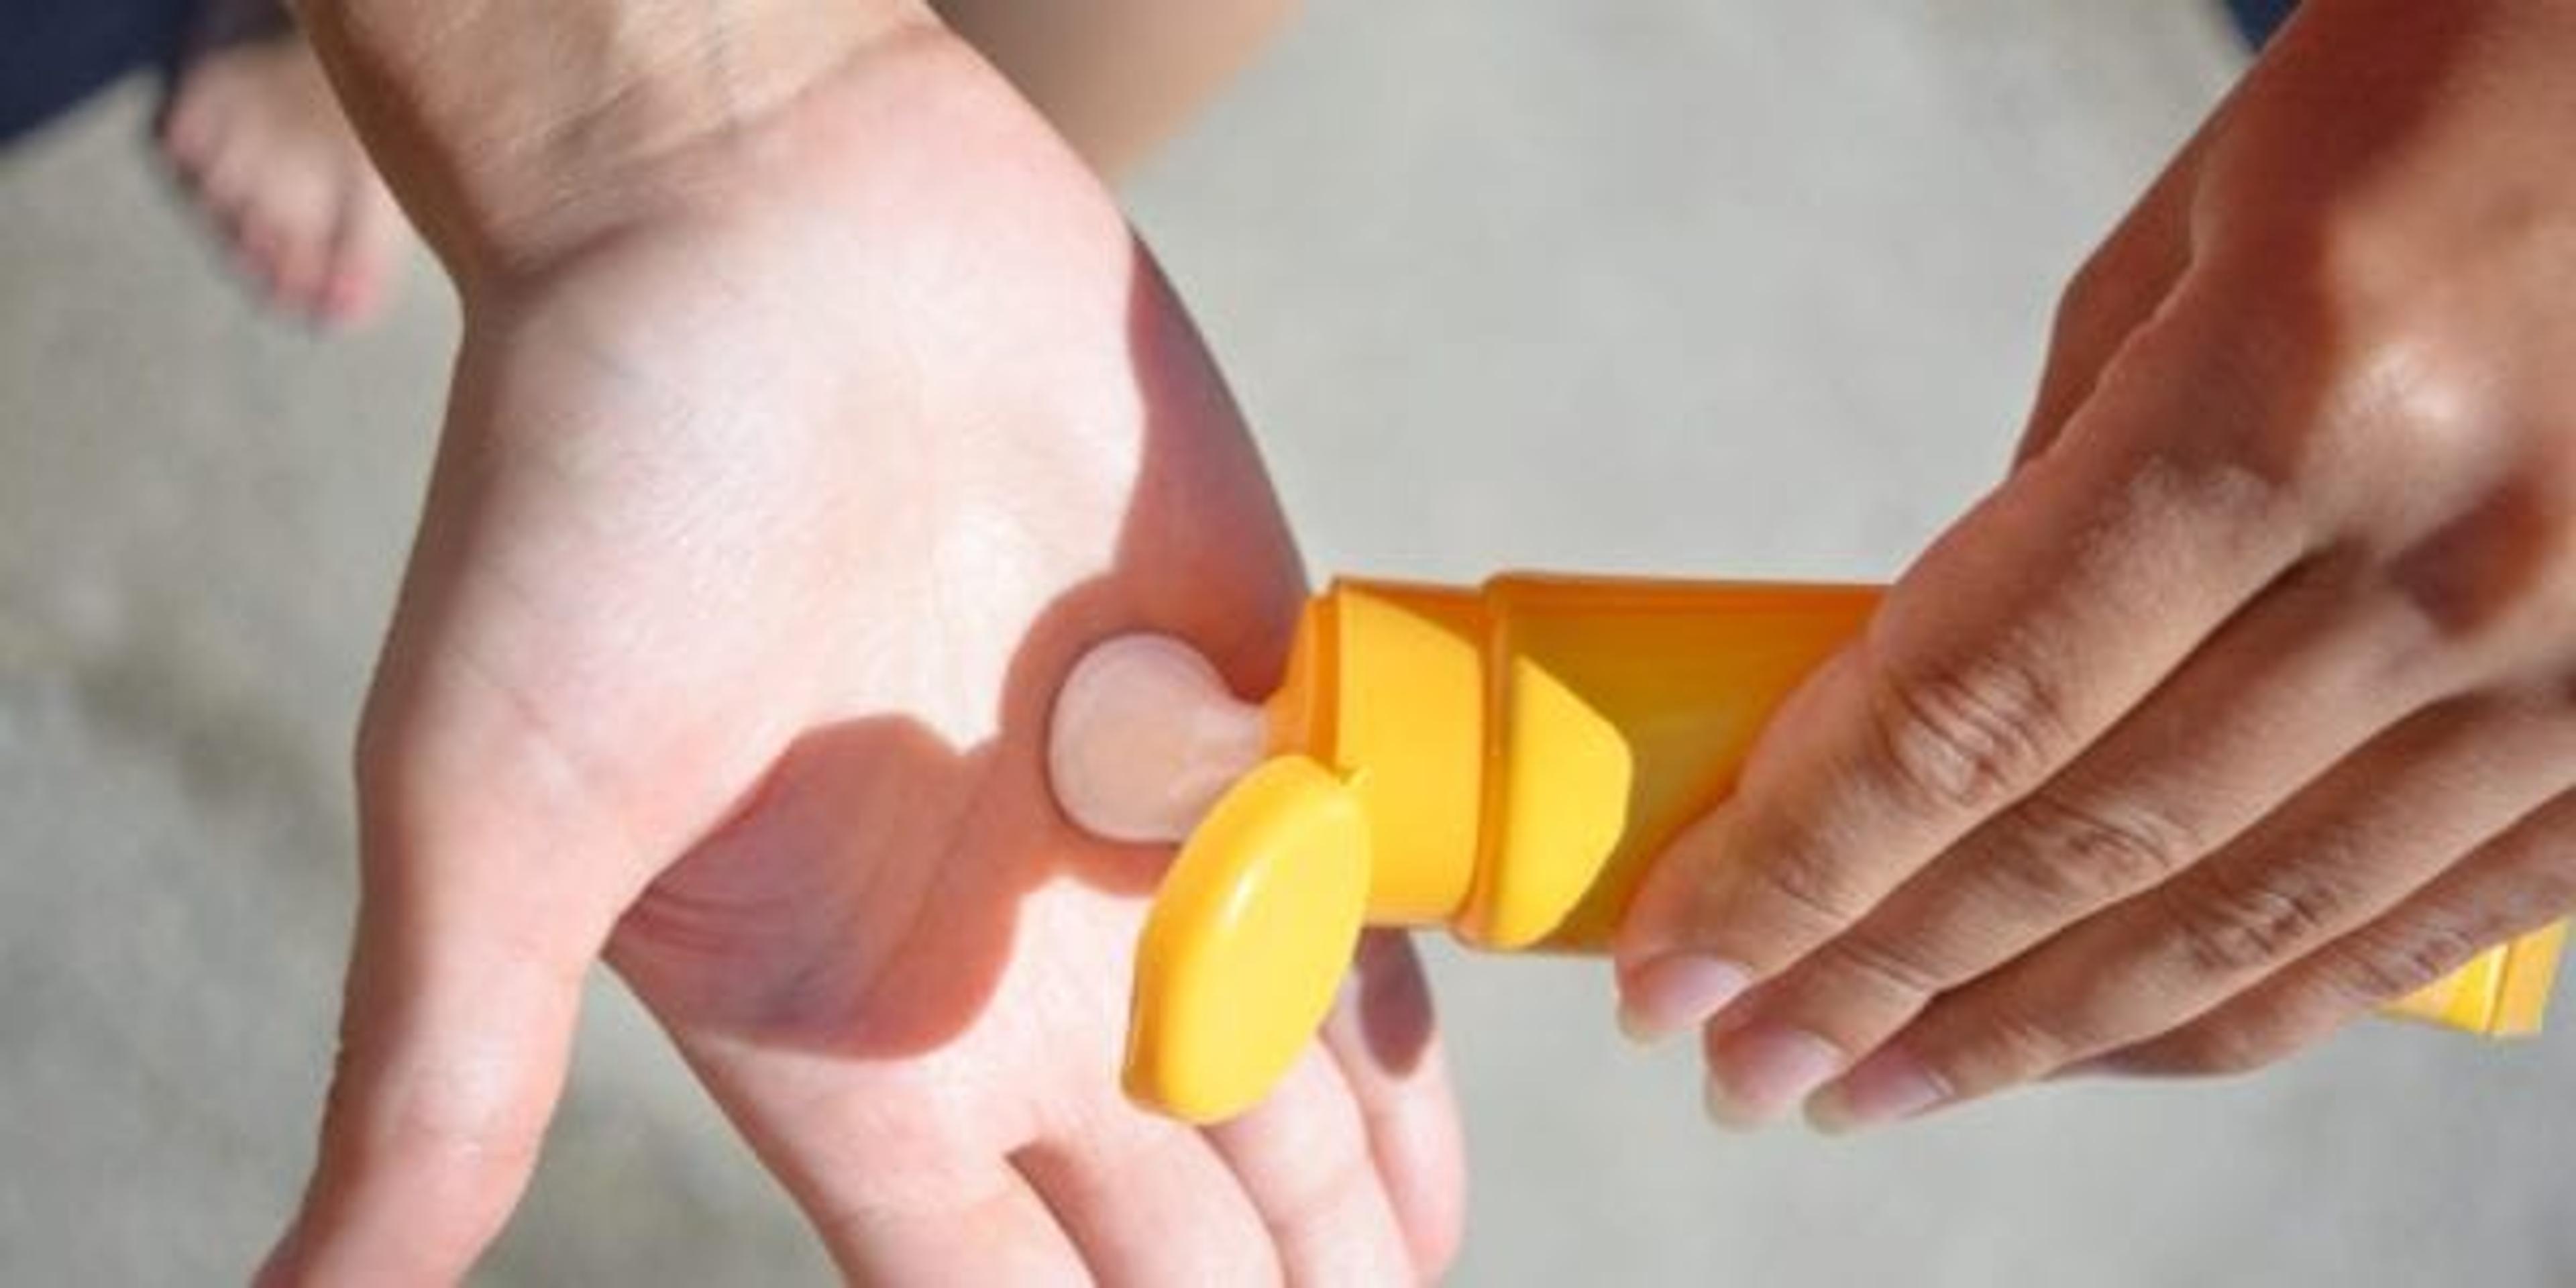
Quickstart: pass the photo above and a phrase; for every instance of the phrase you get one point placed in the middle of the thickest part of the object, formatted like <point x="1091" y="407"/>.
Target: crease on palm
<point x="856" y="845"/>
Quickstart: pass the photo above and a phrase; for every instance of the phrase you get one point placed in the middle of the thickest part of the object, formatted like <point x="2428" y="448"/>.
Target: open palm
<point x="761" y="534"/>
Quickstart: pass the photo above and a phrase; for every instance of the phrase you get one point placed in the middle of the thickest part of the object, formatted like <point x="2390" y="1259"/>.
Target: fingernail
<point x="1762" y="1072"/>
<point x="1675" y="992"/>
<point x="1883" y="1088"/>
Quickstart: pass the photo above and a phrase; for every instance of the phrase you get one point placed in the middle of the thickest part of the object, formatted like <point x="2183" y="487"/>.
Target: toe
<point x="303" y="210"/>
<point x="302" y="278"/>
<point x="193" y="121"/>
<point x="363" y="255"/>
<point x="207" y="112"/>
<point x="254" y="131"/>
<point x="228" y="178"/>
<point x="188" y="139"/>
<point x="260" y="249"/>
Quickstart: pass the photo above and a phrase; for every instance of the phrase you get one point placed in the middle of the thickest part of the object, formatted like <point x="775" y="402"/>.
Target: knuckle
<point x="2224" y="475"/>
<point x="455" y="1120"/>
<point x="2352" y="390"/>
<point x="1883" y="967"/>
<point x="1812" y="885"/>
<point x="2384" y="966"/>
<point x="2075" y="854"/>
<point x="2087" y="293"/>
<point x="2320" y="266"/>
<point x="2229" y="1049"/>
<point x="2228" y="927"/>
<point x="1966" y="737"/>
<point x="2493" y="571"/>
<point x="2542" y="884"/>
<point x="391" y="763"/>
<point x="2407" y="406"/>
<point x="374" y="757"/>
<point x="1310" y="1199"/>
<point x="2004" y="1044"/>
<point x="2223" y="1049"/>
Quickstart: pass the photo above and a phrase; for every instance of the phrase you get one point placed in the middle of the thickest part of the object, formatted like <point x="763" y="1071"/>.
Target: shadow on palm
<point x="867" y="900"/>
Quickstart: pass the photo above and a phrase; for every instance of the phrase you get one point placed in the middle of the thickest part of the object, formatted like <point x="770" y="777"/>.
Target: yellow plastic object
<point x="1247" y="941"/>
<point x="1621" y="711"/>
<point x="1502" y="761"/>
<point x="2501" y="992"/>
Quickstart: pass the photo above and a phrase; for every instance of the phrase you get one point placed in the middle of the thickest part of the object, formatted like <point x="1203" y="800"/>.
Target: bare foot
<point x="253" y="131"/>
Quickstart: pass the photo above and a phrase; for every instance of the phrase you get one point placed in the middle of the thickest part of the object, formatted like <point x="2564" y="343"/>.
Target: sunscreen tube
<point x="1503" y="762"/>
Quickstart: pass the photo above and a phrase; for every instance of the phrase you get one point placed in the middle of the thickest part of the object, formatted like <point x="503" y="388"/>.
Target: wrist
<point x="514" y="130"/>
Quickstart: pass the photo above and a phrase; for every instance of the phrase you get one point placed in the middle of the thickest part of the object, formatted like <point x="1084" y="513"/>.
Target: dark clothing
<point x="54" y="53"/>
<point x="2258" y="19"/>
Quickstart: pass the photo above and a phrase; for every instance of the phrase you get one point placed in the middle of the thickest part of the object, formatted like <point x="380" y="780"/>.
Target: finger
<point x="2311" y="671"/>
<point x="2512" y="885"/>
<point x="2341" y="854"/>
<point x="2122" y="284"/>
<point x="1303" y="1157"/>
<point x="301" y="212"/>
<point x="1381" y="1038"/>
<point x="463" y="990"/>
<point x="1123" y="1182"/>
<point x="999" y="1232"/>
<point x="2024" y="633"/>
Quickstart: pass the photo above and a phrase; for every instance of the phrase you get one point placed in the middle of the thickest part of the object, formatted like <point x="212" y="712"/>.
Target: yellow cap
<point x="1247" y="942"/>
<point x="1368" y="812"/>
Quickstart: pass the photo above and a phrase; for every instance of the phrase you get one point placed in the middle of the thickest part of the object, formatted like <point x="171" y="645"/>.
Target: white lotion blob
<point x="1145" y="737"/>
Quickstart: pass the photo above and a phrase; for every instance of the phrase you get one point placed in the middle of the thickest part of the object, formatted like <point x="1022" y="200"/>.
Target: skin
<point x="252" y="132"/>
<point x="2248" y="700"/>
<point x="815" y="409"/>
<point x="1116" y="77"/>
<point x="2276" y="724"/>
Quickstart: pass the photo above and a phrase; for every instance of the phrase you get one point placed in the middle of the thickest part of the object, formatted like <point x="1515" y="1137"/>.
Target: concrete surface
<point x="1747" y="289"/>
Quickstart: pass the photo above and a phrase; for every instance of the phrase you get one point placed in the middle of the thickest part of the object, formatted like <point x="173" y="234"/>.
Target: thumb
<point x="464" y="983"/>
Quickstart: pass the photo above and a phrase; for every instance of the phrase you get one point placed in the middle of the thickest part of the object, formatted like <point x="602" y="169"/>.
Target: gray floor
<point x="1742" y="289"/>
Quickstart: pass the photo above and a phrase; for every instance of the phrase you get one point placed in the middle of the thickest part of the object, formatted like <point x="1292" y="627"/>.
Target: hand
<point x="761" y="532"/>
<point x="2249" y="700"/>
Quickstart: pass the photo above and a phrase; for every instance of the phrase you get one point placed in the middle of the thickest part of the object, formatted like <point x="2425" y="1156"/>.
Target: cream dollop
<point x="1145" y="737"/>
